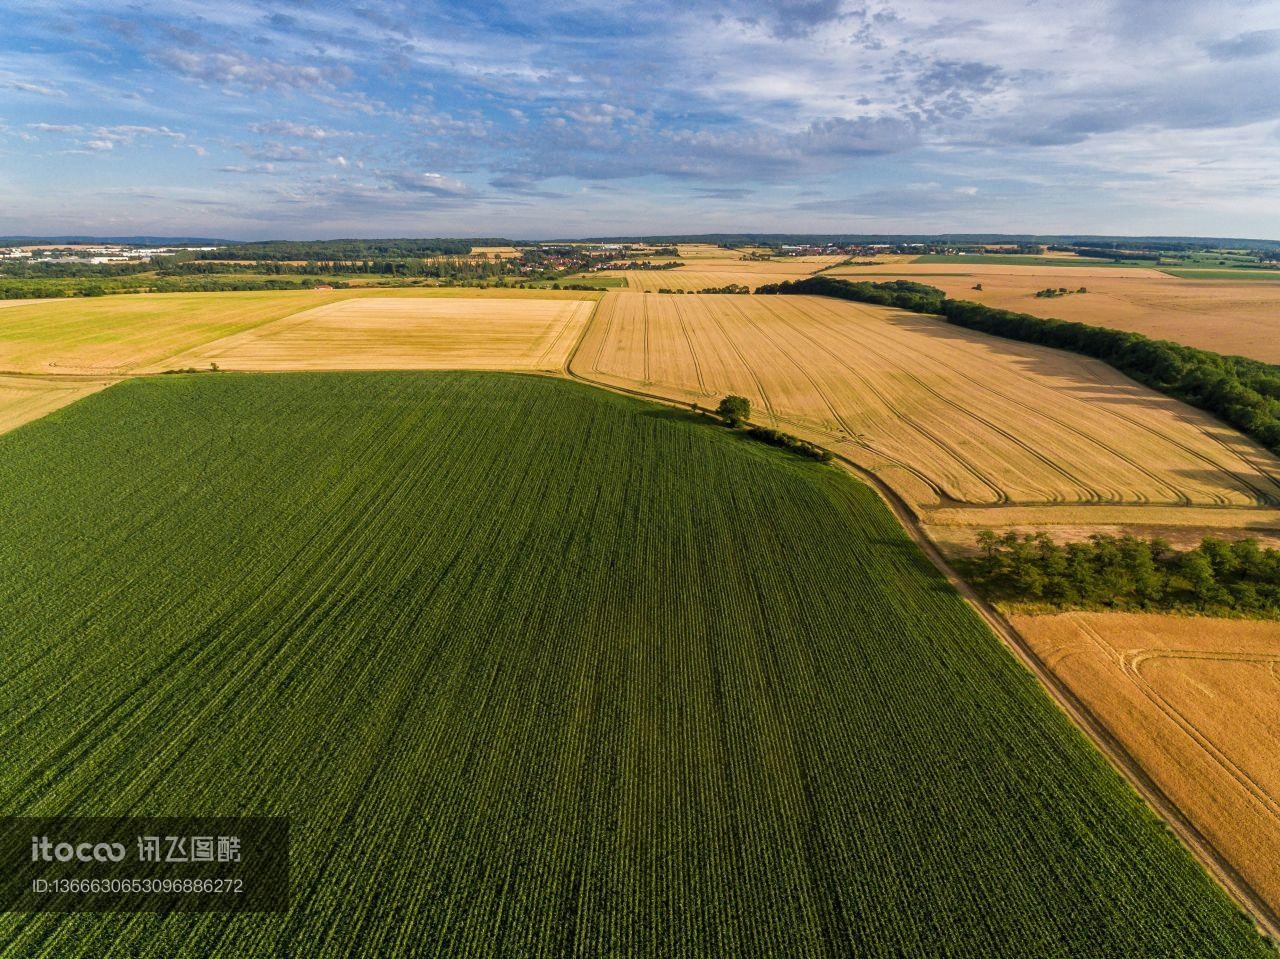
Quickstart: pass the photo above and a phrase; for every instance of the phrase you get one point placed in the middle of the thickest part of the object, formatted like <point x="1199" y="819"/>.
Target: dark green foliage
<point x="788" y="442"/>
<point x="55" y="287"/>
<point x="537" y="670"/>
<point x="347" y="249"/>
<point x="1116" y="254"/>
<point x="1107" y="572"/>
<point x="289" y="265"/>
<point x="647" y="265"/>
<point x="737" y="288"/>
<point x="903" y="294"/>
<point x="734" y="409"/>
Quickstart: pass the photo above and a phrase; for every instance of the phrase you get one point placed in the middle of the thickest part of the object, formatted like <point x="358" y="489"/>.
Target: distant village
<point x="93" y="254"/>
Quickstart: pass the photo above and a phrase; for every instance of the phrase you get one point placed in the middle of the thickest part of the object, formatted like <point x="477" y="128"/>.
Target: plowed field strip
<point x="901" y="414"/>
<point x="1094" y="493"/>
<point x="1261" y="496"/>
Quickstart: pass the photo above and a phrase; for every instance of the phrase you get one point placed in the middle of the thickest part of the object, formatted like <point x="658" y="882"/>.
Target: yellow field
<point x="119" y="334"/>
<point x="714" y="272"/>
<point x="1058" y="274"/>
<point x="116" y="335"/>
<point x="498" y="252"/>
<point x="1197" y="703"/>
<point x="949" y="418"/>
<point x="1237" y="317"/>
<point x="685" y="279"/>
<point x="382" y="333"/>
<point x="955" y="530"/>
<point x="700" y="251"/>
<point x="26" y="398"/>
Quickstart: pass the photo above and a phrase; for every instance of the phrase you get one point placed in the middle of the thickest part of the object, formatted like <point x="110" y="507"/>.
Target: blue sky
<point x="309" y="118"/>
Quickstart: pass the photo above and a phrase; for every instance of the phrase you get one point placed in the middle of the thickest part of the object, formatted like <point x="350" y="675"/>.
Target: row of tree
<point x="903" y="294"/>
<point x="1050" y="292"/>
<point x="1124" y="572"/>
<point x="737" y="288"/>
<point x="347" y="249"/>
<point x="435" y="267"/>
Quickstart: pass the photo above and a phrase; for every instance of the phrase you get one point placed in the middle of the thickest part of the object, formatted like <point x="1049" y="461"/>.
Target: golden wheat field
<point x="955" y="531"/>
<point x="651" y="281"/>
<point x="26" y="398"/>
<point x="713" y="273"/>
<point x="701" y="251"/>
<point x="1237" y="317"/>
<point x="384" y="333"/>
<point x="1197" y="702"/>
<point x="949" y="418"/>
<point x="1060" y="275"/>
<point x="120" y="334"/>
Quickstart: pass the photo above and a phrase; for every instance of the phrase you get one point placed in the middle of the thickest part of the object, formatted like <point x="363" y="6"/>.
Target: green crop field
<point x="540" y="670"/>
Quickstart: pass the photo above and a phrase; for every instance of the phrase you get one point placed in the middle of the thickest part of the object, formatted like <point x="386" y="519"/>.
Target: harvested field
<point x="947" y="417"/>
<point x="702" y="274"/>
<point x="26" y="398"/>
<point x="120" y="334"/>
<point x="1020" y="260"/>
<point x="683" y="278"/>
<point x="704" y="251"/>
<point x="383" y="333"/>
<point x="536" y="670"/>
<point x="1239" y="317"/>
<point x="766" y="269"/>
<point x="116" y="335"/>
<point x="1060" y="275"/>
<point x="1197" y="703"/>
<point x="496" y="252"/>
<point x="955" y="531"/>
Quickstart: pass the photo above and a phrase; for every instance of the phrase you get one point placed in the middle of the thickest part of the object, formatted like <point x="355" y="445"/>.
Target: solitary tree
<point x="734" y="409"/>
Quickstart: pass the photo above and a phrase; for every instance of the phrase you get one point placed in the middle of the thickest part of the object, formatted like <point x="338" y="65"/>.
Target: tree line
<point x="1240" y="391"/>
<point x="737" y="288"/>
<point x="903" y="294"/>
<point x="347" y="249"/>
<point x="1127" y="573"/>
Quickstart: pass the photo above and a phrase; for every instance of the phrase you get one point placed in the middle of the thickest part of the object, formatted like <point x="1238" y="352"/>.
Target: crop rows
<point x="537" y="670"/>
<point x="950" y="417"/>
